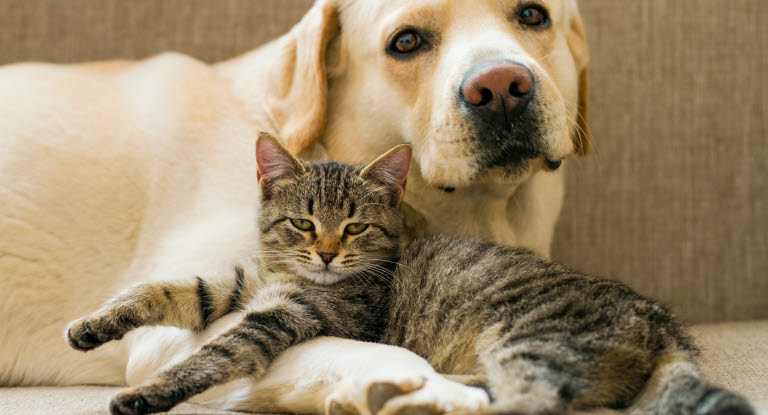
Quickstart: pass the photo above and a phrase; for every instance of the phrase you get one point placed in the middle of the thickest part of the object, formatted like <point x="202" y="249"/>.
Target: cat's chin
<point x="323" y="277"/>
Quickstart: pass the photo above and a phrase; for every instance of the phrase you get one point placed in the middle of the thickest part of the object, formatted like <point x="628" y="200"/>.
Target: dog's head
<point x="486" y="91"/>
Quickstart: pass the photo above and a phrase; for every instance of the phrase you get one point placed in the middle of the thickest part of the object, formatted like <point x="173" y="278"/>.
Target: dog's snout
<point x="501" y="87"/>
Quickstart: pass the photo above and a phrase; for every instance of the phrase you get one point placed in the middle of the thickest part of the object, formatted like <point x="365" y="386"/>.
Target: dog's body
<point x="117" y="172"/>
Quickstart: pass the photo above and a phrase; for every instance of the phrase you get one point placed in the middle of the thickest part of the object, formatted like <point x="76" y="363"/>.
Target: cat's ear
<point x="276" y="165"/>
<point x="391" y="170"/>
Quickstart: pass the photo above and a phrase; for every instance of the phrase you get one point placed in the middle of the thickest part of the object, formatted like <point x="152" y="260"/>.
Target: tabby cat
<point x="541" y="339"/>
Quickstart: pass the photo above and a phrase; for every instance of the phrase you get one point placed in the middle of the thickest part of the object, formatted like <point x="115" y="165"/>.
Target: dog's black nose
<point x="499" y="88"/>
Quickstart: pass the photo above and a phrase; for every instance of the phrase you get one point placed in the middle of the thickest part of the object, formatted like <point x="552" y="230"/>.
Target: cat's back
<point x="465" y="262"/>
<point x="449" y="291"/>
<point x="444" y="271"/>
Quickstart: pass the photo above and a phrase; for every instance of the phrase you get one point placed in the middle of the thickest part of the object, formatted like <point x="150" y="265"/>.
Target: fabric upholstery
<point x="735" y="355"/>
<point x="674" y="198"/>
<point x="80" y="400"/>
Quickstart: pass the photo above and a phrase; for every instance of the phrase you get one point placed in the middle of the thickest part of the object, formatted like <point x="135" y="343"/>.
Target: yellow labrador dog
<point x="118" y="172"/>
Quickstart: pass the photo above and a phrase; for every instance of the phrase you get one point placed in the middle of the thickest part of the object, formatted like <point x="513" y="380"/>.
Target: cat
<point x="538" y="337"/>
<point x="328" y="234"/>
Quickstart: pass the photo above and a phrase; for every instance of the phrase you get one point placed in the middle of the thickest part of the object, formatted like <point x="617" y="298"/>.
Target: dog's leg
<point x="330" y="375"/>
<point x="342" y="376"/>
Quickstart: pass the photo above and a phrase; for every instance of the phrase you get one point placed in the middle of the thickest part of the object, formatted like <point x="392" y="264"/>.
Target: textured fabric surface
<point x="78" y="30"/>
<point x="674" y="199"/>
<point x="735" y="355"/>
<point x="78" y="400"/>
<point x="675" y="196"/>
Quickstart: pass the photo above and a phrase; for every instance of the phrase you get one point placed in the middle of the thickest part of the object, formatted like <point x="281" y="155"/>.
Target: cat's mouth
<point x="325" y="276"/>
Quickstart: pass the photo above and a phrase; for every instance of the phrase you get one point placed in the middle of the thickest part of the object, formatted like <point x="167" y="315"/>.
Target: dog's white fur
<point x="117" y="172"/>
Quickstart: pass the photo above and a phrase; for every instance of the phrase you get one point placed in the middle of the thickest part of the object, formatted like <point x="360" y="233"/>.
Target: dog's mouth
<point x="488" y="153"/>
<point x="549" y="164"/>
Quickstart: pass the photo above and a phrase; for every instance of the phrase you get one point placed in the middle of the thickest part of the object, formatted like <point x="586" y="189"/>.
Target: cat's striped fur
<point x="541" y="339"/>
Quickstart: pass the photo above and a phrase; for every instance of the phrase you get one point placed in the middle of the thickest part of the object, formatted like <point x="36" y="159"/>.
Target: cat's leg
<point x="557" y="372"/>
<point x="154" y="349"/>
<point x="547" y="375"/>
<point x="523" y="382"/>
<point x="279" y="316"/>
<point x="678" y="388"/>
<point x="191" y="304"/>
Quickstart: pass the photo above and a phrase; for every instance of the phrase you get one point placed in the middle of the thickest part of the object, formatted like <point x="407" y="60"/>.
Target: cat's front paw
<point x="141" y="400"/>
<point x="91" y="332"/>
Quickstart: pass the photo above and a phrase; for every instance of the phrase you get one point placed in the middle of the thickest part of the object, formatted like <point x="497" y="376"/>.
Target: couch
<point x="673" y="200"/>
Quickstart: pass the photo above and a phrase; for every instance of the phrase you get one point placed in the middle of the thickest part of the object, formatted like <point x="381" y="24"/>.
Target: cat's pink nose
<point x="327" y="256"/>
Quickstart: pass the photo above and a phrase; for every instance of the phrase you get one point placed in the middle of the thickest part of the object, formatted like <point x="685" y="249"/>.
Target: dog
<point x="112" y="173"/>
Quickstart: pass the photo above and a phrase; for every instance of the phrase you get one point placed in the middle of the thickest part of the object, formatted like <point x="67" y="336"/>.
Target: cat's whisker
<point x="282" y="261"/>
<point x="384" y="274"/>
<point x="364" y="277"/>
<point x="263" y="259"/>
<point x="262" y="251"/>
<point x="395" y="263"/>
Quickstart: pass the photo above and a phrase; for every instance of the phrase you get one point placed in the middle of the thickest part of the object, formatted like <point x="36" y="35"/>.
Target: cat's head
<point x="329" y="221"/>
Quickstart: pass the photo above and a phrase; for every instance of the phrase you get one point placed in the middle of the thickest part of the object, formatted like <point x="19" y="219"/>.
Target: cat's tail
<point x="677" y="387"/>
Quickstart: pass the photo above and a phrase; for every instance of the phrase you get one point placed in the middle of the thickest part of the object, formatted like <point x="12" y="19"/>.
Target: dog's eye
<point x="533" y="16"/>
<point x="405" y="42"/>
<point x="303" y="224"/>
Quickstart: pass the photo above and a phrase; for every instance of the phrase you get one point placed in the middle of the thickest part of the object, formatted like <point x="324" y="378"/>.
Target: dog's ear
<point x="577" y="43"/>
<point x="297" y="98"/>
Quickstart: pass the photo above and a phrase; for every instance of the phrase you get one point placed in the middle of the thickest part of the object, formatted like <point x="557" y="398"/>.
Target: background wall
<point x="674" y="199"/>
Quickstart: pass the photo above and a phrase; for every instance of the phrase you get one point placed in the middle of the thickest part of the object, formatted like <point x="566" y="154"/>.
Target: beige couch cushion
<point x="83" y="400"/>
<point x="735" y="355"/>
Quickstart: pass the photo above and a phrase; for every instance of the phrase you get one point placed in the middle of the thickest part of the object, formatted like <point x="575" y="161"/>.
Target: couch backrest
<point x="674" y="199"/>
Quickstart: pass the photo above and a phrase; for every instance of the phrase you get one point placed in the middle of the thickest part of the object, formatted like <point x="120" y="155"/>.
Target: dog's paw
<point x="406" y="395"/>
<point x="91" y="332"/>
<point x="438" y="395"/>
<point x="141" y="400"/>
<point x="379" y="393"/>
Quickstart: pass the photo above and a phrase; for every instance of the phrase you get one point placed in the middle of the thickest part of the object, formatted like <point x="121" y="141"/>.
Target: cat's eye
<point x="355" y="228"/>
<point x="303" y="224"/>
